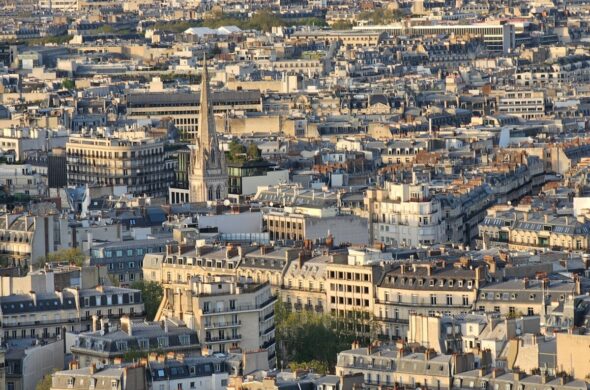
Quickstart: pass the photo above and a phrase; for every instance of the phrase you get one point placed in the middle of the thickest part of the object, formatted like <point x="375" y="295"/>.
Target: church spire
<point x="208" y="174"/>
<point x="205" y="115"/>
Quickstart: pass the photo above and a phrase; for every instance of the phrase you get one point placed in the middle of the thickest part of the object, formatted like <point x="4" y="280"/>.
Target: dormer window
<point x="460" y="283"/>
<point x="451" y="282"/>
<point x="431" y="282"/>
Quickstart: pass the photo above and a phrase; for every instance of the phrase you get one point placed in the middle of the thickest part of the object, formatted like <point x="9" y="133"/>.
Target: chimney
<point x="430" y="353"/>
<point x="546" y="218"/>
<point x="93" y="369"/>
<point x="127" y="325"/>
<point x="526" y="282"/>
<point x="263" y="250"/>
<point x="95" y="323"/>
<point x="74" y="365"/>
<point x="118" y="360"/>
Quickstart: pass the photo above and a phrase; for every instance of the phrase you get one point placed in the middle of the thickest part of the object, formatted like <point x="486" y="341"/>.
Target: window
<point x="432" y="299"/>
<point x="163" y="342"/>
<point x="184" y="339"/>
<point x="144" y="343"/>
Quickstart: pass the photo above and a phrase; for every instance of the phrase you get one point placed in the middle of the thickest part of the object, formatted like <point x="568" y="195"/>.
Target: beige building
<point x="427" y="289"/>
<point x="397" y="366"/>
<point x="573" y="354"/>
<point x="127" y="158"/>
<point x="120" y="377"/>
<point x="527" y="230"/>
<point x="228" y="313"/>
<point x="351" y="283"/>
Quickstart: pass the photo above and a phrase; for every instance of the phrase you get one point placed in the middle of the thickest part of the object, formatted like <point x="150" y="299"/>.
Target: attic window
<point x="431" y="283"/>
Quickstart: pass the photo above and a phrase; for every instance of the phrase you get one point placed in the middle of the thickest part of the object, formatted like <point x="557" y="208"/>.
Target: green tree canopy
<point x="253" y="152"/>
<point x="68" y="84"/>
<point x="72" y="255"/>
<point x="152" y="293"/>
<point x="381" y="16"/>
<point x="236" y="152"/>
<point x="309" y="340"/>
<point x="45" y="383"/>
<point x="342" y="25"/>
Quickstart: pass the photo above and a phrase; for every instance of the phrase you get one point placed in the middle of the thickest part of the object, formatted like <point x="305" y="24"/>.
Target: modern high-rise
<point x="207" y="174"/>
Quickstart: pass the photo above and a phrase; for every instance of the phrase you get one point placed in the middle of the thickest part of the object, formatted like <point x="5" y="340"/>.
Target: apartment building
<point x="524" y="104"/>
<point x="534" y="230"/>
<point x="26" y="361"/>
<point x="106" y="344"/>
<point x="351" y="288"/>
<point x="124" y="260"/>
<point x="305" y="283"/>
<point x="526" y="297"/>
<point x="396" y="365"/>
<point x="183" y="107"/>
<point x="180" y="372"/>
<point x="564" y="70"/>
<point x="125" y="158"/>
<point x="228" y="313"/>
<point x="25" y="238"/>
<point x="404" y="215"/>
<point x="427" y="289"/>
<point x="128" y="376"/>
<point x="496" y="36"/>
<point x="24" y="179"/>
<point x="51" y="314"/>
<point x="295" y="214"/>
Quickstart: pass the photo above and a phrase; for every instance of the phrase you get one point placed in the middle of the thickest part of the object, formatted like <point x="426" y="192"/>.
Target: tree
<point x="68" y="84"/>
<point x="45" y="383"/>
<point x="342" y="25"/>
<point x="71" y="255"/>
<point x="237" y="152"/>
<point x="308" y="339"/>
<point x="152" y="293"/>
<point x="254" y="153"/>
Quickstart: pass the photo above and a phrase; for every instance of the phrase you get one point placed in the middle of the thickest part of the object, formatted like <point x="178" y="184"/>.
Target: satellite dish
<point x="226" y="202"/>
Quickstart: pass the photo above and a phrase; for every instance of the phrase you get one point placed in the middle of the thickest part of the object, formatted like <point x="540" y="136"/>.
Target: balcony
<point x="221" y="325"/>
<point x="268" y="330"/>
<point x="241" y="308"/>
<point x="269" y="315"/>
<point x="268" y="343"/>
<point x="225" y="339"/>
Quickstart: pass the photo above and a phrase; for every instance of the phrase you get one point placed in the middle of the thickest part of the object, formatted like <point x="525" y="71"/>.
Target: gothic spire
<point x="206" y="122"/>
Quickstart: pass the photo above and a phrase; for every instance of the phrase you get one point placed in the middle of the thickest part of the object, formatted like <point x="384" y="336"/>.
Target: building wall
<point x="40" y="361"/>
<point x="573" y="354"/>
<point x="250" y="184"/>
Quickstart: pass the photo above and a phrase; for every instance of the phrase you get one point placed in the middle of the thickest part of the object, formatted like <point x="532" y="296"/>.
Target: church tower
<point x="208" y="175"/>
